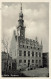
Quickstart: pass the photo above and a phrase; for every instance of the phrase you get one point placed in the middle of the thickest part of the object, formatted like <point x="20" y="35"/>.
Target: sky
<point x="36" y="20"/>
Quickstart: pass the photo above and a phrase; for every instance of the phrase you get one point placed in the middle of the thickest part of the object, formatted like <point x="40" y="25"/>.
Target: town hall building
<point x="26" y="52"/>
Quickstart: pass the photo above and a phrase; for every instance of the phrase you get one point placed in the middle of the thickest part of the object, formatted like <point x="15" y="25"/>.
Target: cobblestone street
<point x="42" y="72"/>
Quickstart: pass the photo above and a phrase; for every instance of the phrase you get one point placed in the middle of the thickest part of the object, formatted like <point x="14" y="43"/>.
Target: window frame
<point x="24" y="61"/>
<point x="28" y="53"/>
<point x="20" y="53"/>
<point x="32" y="61"/>
<point x="24" y="53"/>
<point x="19" y="61"/>
<point x="32" y="53"/>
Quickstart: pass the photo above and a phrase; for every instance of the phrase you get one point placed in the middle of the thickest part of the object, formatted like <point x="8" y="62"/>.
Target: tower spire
<point x="21" y="14"/>
<point x="21" y="7"/>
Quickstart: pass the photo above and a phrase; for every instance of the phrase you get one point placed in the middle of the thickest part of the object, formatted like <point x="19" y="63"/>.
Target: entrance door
<point x="37" y="65"/>
<point x="13" y="66"/>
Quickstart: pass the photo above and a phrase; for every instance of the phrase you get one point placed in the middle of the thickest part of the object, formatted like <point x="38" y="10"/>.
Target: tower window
<point x="20" y="53"/>
<point x="24" y="53"/>
<point x="28" y="53"/>
<point x="23" y="46"/>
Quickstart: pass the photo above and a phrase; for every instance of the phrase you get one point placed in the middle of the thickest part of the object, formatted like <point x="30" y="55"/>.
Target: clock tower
<point x="21" y="28"/>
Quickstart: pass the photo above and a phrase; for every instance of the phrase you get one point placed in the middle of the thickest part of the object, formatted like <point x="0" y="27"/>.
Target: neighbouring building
<point x="45" y="59"/>
<point x="27" y="52"/>
<point x="6" y="61"/>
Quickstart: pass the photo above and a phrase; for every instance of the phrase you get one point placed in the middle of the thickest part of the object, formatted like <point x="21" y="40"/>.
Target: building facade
<point x="45" y="59"/>
<point x="27" y="52"/>
<point x="6" y="62"/>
